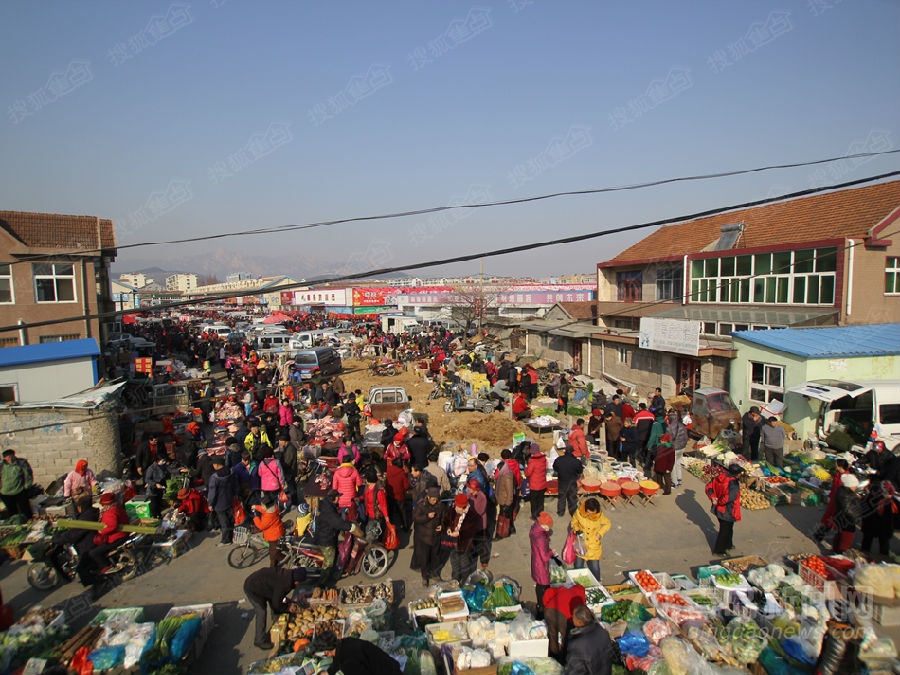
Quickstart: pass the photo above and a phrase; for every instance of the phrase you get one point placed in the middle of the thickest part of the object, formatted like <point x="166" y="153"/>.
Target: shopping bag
<point x="503" y="524"/>
<point x="284" y="497"/>
<point x="391" y="542"/>
<point x="557" y="571"/>
<point x="239" y="514"/>
<point x="568" y="552"/>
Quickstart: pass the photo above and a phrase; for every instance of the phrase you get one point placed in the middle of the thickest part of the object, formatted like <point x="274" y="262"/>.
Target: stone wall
<point x="54" y="439"/>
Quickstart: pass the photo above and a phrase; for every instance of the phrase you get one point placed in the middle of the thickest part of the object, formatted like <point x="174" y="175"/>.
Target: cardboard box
<point x="886" y="615"/>
<point x="526" y="648"/>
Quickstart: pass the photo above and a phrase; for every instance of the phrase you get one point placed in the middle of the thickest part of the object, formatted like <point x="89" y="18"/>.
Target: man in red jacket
<point x="579" y="442"/>
<point x="520" y="408"/>
<point x="397" y="486"/>
<point x="724" y="491"/>
<point x="536" y="472"/>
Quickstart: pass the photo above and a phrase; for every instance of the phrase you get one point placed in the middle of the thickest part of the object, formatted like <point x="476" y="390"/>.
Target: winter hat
<point x="460" y="501"/>
<point x="535" y="448"/>
<point x="545" y="519"/>
<point x="183" y="494"/>
<point x="398" y="437"/>
<point x="432" y="492"/>
<point x="850" y="481"/>
<point x="107" y="499"/>
<point x="473" y="484"/>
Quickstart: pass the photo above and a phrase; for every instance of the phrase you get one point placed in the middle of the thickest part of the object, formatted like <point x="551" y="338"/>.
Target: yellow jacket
<point x="594" y="526"/>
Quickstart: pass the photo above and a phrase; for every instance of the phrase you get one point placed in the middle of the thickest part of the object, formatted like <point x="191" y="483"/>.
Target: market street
<point x="672" y="536"/>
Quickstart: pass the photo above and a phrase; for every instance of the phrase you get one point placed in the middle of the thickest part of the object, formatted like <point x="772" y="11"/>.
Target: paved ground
<point x="674" y="536"/>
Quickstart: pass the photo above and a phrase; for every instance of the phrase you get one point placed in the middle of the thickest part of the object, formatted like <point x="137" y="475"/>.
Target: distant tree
<point x="469" y="304"/>
<point x="207" y="279"/>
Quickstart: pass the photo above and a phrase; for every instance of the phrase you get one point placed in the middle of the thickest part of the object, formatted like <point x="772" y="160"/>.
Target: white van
<point x="400" y="324"/>
<point x="218" y="329"/>
<point x="854" y="407"/>
<point x="274" y="340"/>
<point x="306" y="339"/>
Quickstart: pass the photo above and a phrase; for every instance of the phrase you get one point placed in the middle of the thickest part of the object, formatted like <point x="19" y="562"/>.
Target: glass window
<point x="799" y="290"/>
<point x="741" y="326"/>
<point x="54" y="282"/>
<point x="669" y="283"/>
<point x="745" y="265"/>
<point x="766" y="382"/>
<point x="724" y="290"/>
<point x="727" y="267"/>
<point x="803" y="261"/>
<point x="781" y="294"/>
<point x="711" y="267"/>
<point x="745" y="290"/>
<point x="812" y="290"/>
<point x="709" y="327"/>
<point x="628" y="286"/>
<point x="696" y="269"/>
<point x="6" y="284"/>
<point x="892" y="276"/>
<point x="826" y="291"/>
<point x="770" y="290"/>
<point x="781" y="262"/>
<point x="763" y="263"/>
<point x="826" y="259"/>
<point x="759" y="290"/>
<point x="695" y="290"/>
<point x="725" y="328"/>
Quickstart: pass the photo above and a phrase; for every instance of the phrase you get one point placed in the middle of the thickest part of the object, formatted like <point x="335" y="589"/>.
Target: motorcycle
<point x="385" y="369"/>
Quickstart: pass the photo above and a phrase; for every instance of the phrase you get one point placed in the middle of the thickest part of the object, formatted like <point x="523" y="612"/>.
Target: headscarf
<point x="81" y="466"/>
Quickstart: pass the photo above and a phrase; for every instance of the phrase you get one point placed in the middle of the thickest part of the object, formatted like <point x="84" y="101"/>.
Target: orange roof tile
<point x="833" y="215"/>
<point x="53" y="230"/>
<point x="580" y="310"/>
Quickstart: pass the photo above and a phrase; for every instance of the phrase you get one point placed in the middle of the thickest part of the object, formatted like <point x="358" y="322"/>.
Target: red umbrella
<point x="276" y="318"/>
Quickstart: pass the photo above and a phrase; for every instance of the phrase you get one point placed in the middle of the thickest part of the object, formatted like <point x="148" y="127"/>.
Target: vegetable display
<point x="729" y="579"/>
<point x="647" y="581"/>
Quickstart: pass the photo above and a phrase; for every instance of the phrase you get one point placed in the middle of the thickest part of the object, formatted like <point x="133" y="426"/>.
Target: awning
<point x="829" y="390"/>
<point x="749" y="315"/>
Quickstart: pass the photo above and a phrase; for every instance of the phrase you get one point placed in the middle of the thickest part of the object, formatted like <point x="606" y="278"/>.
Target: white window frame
<point x="9" y="277"/>
<point x="892" y="267"/>
<point x="15" y="389"/>
<point x="623" y="355"/>
<point x="55" y="277"/>
<point x="764" y="391"/>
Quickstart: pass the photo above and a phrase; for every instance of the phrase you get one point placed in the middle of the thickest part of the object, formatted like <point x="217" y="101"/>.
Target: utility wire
<point x="460" y="258"/>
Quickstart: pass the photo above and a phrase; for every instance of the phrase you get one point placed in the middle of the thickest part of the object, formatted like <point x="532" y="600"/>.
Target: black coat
<point x="360" y="657"/>
<point x="419" y="446"/>
<point x="270" y="585"/>
<point x="589" y="651"/>
<point x="329" y="524"/>
<point x="222" y="490"/>
<point x="568" y="468"/>
<point x="848" y="509"/>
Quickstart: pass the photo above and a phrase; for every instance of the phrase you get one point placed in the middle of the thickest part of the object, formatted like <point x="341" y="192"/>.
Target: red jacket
<point x="725" y="493"/>
<point x="536" y="472"/>
<point x="195" y="503"/>
<point x="394" y="451"/>
<point x="111" y="519"/>
<point x="578" y="442"/>
<point x="396" y="483"/>
<point x="520" y="404"/>
<point x="564" y="599"/>
<point x="370" y="501"/>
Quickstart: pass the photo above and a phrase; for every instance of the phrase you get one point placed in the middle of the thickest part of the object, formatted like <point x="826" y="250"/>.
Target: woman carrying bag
<point x="590" y="521"/>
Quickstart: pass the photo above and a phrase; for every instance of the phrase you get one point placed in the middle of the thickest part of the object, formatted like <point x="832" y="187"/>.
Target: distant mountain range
<point x="221" y="263"/>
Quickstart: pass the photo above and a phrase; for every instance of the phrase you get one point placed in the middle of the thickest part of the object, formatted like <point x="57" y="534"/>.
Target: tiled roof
<point x="833" y="215"/>
<point x="580" y="310"/>
<point x="53" y="230"/>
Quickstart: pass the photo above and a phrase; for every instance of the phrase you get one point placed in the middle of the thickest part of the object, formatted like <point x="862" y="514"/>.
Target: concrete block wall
<point x="54" y="439"/>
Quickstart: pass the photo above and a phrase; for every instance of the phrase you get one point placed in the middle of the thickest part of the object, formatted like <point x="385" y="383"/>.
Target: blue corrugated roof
<point x="821" y="343"/>
<point x="48" y="351"/>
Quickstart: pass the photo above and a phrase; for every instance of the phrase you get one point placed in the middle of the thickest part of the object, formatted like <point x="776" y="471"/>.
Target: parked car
<point x="317" y="361"/>
<point x="387" y="402"/>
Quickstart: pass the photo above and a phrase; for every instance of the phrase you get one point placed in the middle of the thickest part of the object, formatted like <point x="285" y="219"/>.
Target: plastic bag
<point x="634" y="643"/>
<point x="107" y="658"/>
<point x="499" y="596"/>
<point x="656" y="630"/>
<point x="520" y="627"/>
<point x="568" y="552"/>
<point x="475" y="596"/>
<point x="184" y="637"/>
<point x="557" y="571"/>
<point x="515" y="590"/>
<point x="580" y="545"/>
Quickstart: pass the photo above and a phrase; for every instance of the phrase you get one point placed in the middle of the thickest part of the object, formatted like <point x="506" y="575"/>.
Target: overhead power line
<point x="460" y="258"/>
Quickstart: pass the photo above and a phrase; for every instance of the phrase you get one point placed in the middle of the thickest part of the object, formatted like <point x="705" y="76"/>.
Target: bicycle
<point x="250" y="548"/>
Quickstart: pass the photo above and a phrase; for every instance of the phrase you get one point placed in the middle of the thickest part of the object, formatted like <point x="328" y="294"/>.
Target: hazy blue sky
<point x="189" y="119"/>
